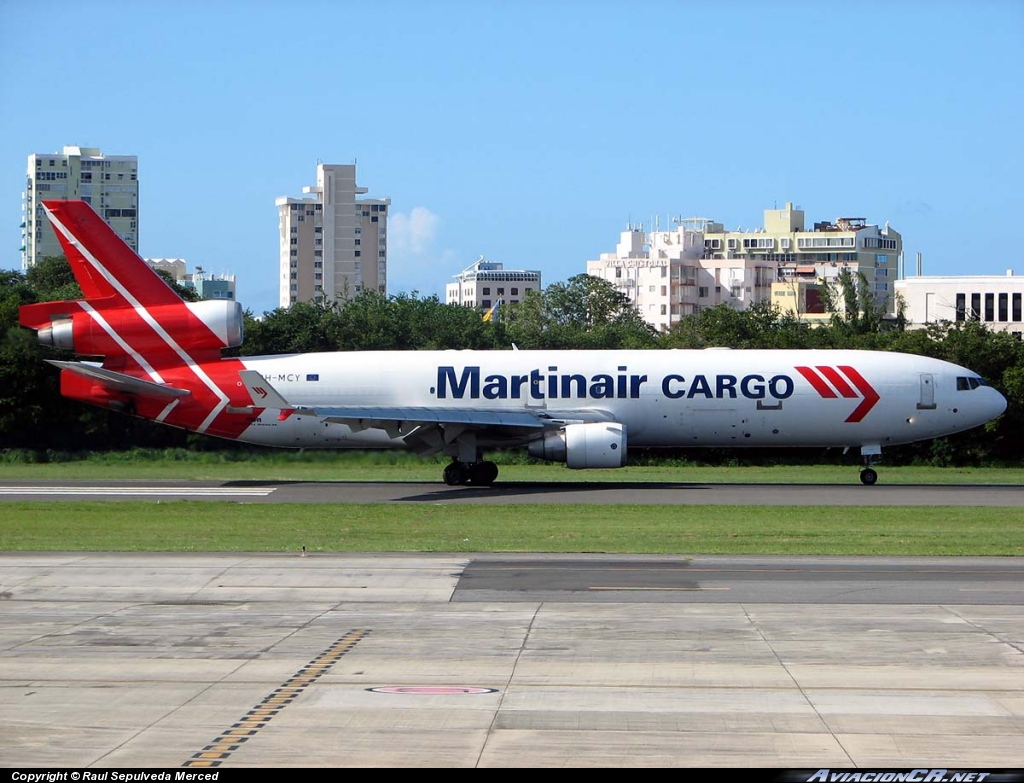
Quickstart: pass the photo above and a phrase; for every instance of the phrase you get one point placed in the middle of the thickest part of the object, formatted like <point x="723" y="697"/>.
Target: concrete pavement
<point x="239" y="660"/>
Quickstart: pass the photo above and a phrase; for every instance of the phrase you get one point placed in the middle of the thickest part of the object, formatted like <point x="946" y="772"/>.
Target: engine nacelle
<point x="581" y="446"/>
<point x="107" y="331"/>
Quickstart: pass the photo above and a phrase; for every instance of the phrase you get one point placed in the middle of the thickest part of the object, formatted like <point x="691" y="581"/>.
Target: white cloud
<point x="411" y="235"/>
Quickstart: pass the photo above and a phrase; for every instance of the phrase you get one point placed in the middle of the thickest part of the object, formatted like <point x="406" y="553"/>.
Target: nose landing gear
<point x="871" y="455"/>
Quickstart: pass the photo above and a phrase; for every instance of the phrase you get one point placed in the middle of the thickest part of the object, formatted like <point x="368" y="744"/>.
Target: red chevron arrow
<point x="832" y="375"/>
<point x="870" y="395"/>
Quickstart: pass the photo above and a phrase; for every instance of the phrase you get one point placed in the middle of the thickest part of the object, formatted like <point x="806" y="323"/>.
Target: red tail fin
<point x="129" y="312"/>
<point x="101" y="261"/>
<point x="161" y="354"/>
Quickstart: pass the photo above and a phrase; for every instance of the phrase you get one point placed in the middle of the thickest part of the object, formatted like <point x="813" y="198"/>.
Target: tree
<point x="583" y="312"/>
<point x="51" y="279"/>
<point x="186" y="293"/>
<point x="762" y="325"/>
<point x="32" y="412"/>
<point x="853" y="304"/>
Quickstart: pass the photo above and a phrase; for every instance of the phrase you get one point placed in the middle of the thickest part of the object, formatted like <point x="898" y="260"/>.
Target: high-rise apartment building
<point x="109" y="183"/>
<point x="671" y="274"/>
<point x="333" y="245"/>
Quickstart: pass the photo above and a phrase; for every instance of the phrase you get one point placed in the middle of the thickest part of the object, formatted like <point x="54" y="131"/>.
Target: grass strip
<point x="198" y="526"/>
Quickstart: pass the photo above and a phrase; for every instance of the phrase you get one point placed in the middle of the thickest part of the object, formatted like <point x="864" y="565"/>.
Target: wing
<point x="426" y="429"/>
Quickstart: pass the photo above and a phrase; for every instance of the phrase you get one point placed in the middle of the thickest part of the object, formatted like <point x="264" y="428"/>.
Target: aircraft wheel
<point x="868" y="476"/>
<point x="483" y="473"/>
<point x="454" y="474"/>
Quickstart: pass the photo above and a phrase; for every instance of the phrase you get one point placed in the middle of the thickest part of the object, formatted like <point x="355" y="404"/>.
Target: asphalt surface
<point x="522" y="492"/>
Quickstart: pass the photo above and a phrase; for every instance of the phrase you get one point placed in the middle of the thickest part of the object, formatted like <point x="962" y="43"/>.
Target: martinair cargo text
<point x="161" y="360"/>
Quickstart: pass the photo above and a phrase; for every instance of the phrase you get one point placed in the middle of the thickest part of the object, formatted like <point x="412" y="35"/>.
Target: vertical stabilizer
<point x="102" y="262"/>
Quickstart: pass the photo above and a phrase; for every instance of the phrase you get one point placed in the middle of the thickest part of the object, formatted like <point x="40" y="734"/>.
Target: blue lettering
<point x="752" y="393"/>
<point x="517" y="385"/>
<point x="470" y="378"/>
<point x="602" y="387"/>
<point x="536" y="391"/>
<point x="568" y="381"/>
<point x="726" y="385"/>
<point x="496" y="387"/>
<point x="669" y="390"/>
<point x="781" y="387"/>
<point x="700" y="386"/>
<point x="465" y="383"/>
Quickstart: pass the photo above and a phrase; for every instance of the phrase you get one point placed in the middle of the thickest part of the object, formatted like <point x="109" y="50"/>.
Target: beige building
<point x="108" y="182"/>
<point x="995" y="300"/>
<point x="486" y="283"/>
<point x="332" y="245"/>
<point x="206" y="285"/>
<point x="175" y="267"/>
<point x="672" y="274"/>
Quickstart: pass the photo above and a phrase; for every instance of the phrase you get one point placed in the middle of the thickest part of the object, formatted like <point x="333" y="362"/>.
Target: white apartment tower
<point x="333" y="246"/>
<point x="108" y="182"/>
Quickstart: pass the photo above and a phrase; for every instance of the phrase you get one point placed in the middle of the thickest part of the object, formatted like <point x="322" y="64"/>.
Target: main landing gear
<point x="475" y="473"/>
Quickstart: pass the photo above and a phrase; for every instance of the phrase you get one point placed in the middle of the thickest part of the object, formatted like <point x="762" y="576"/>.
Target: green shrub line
<point x="656" y="459"/>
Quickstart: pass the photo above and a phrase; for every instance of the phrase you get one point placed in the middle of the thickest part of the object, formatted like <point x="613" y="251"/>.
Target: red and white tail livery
<point x="158" y="357"/>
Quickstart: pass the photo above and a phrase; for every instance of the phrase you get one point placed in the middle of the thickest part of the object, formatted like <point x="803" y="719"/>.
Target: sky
<point x="531" y="133"/>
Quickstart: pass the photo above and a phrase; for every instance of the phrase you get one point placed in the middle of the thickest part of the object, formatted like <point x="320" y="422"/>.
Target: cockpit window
<point x="965" y="383"/>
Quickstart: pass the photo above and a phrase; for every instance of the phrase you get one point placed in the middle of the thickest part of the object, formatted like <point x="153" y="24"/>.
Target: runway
<point x="505" y="493"/>
<point x="241" y="660"/>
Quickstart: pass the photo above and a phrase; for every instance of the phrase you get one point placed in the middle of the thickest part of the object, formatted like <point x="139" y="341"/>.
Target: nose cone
<point x="995" y="404"/>
<point x="983" y="407"/>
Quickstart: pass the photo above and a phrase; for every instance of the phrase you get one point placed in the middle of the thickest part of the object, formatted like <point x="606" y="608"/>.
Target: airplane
<point x="159" y="358"/>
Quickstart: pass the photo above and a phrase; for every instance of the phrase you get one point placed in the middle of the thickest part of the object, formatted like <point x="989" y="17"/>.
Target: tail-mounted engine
<point x="580" y="446"/>
<point x="92" y="330"/>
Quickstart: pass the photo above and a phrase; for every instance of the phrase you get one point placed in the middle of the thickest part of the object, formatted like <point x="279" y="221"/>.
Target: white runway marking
<point x="141" y="491"/>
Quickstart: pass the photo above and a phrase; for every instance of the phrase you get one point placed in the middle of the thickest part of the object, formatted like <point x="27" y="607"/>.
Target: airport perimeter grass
<point x="196" y="526"/>
<point x="211" y="526"/>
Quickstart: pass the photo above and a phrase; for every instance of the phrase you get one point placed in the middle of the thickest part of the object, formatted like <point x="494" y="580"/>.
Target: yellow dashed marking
<point x="228" y="741"/>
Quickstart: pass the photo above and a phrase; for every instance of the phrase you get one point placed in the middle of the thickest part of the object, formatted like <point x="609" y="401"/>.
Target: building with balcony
<point x="332" y="245"/>
<point x="674" y="273"/>
<point x="109" y="183"/>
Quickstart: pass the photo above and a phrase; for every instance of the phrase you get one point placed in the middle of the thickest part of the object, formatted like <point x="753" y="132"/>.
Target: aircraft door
<point x="927" y="399"/>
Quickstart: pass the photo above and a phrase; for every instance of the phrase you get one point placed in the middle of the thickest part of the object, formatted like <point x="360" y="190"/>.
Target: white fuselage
<point x="665" y="398"/>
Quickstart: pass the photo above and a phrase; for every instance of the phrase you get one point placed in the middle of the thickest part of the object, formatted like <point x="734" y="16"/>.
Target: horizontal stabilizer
<point x="263" y="394"/>
<point x="120" y="382"/>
